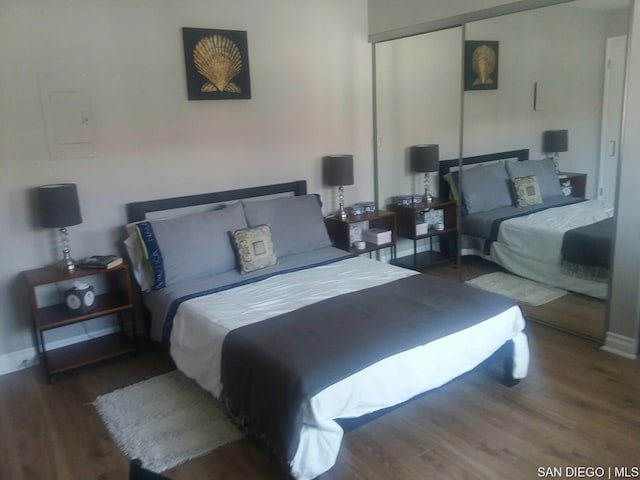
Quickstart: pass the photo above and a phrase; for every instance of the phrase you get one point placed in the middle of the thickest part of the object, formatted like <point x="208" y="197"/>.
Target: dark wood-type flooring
<point x="574" y="313"/>
<point x="579" y="406"/>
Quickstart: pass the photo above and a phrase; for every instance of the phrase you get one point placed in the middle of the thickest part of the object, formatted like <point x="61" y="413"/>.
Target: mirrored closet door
<point x="554" y="65"/>
<point x="553" y="69"/>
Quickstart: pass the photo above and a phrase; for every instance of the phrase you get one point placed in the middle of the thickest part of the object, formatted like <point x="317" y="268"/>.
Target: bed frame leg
<point x="508" y="379"/>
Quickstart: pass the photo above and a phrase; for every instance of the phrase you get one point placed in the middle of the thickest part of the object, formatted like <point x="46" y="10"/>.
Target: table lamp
<point x="337" y="171"/>
<point x="59" y="208"/>
<point x="554" y="141"/>
<point x="425" y="159"/>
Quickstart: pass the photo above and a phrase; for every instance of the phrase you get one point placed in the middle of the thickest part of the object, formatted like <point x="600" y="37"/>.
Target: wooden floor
<point x="574" y="313"/>
<point x="579" y="406"/>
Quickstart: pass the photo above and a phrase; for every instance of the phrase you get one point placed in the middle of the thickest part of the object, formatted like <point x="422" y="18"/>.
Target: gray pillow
<point x="486" y="187"/>
<point x="191" y="246"/>
<point x="297" y="224"/>
<point x="544" y="171"/>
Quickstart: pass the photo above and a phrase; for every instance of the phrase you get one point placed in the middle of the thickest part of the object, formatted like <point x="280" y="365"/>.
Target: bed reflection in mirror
<point x="561" y="68"/>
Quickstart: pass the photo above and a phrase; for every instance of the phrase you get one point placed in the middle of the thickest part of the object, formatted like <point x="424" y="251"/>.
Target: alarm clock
<point x="80" y="298"/>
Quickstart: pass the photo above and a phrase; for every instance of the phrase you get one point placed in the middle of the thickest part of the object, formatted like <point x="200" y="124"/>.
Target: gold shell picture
<point x="217" y="64"/>
<point x="218" y="59"/>
<point x="481" y="64"/>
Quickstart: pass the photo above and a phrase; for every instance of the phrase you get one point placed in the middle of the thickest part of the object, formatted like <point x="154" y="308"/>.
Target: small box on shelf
<point x="377" y="236"/>
<point x="422" y="228"/>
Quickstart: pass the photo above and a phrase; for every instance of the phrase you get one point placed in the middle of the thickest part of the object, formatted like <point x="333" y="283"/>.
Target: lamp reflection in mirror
<point x="425" y="159"/>
<point x="554" y="141"/>
<point x="60" y="208"/>
<point x="337" y="171"/>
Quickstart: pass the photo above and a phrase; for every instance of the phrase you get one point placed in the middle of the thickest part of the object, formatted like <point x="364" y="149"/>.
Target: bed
<point x="292" y="334"/>
<point x="514" y="213"/>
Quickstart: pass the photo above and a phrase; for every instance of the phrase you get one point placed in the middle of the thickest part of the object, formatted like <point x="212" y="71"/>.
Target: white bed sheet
<point x="530" y="246"/>
<point x="200" y="325"/>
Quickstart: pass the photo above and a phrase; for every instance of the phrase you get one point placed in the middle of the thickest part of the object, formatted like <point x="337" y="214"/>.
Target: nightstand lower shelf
<point x="89" y="352"/>
<point x="114" y="298"/>
<point x="423" y="260"/>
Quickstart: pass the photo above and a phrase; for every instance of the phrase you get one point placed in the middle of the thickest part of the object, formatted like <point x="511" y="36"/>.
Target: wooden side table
<point x="410" y="216"/>
<point x="116" y="300"/>
<point x="339" y="230"/>
<point x="573" y="184"/>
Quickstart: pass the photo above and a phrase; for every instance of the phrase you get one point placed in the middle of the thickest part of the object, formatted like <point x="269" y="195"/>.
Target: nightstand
<point x="409" y="218"/>
<point x="573" y="184"/>
<point x="116" y="299"/>
<point x="340" y="230"/>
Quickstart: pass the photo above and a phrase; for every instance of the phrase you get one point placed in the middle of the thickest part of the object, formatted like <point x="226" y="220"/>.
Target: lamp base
<point x="427" y="197"/>
<point x="556" y="163"/>
<point x="341" y="211"/>
<point x="65" y="267"/>
<point x="66" y="264"/>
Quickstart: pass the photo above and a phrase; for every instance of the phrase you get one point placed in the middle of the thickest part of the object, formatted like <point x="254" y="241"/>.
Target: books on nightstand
<point x="103" y="262"/>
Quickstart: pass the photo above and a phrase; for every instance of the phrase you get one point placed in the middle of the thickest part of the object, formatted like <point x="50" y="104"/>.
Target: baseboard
<point x="14" y="361"/>
<point x="620" y="345"/>
<point x="28" y="357"/>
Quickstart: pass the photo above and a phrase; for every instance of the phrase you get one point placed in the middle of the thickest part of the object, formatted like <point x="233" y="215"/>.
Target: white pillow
<point x="139" y="263"/>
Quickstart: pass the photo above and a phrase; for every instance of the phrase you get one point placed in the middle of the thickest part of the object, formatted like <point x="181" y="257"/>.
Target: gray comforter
<point x="269" y="368"/>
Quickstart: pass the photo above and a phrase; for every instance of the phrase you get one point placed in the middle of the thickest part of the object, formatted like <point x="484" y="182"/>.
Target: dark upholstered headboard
<point x="137" y="211"/>
<point x="448" y="165"/>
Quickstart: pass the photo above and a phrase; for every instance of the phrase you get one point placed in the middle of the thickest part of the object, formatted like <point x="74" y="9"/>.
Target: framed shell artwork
<point x="481" y="64"/>
<point x="217" y="64"/>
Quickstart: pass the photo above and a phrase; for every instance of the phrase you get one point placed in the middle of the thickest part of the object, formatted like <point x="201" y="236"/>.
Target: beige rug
<point x="165" y="421"/>
<point x="520" y="289"/>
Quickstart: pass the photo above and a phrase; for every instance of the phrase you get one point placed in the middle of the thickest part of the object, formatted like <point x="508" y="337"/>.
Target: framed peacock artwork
<point x="217" y="64"/>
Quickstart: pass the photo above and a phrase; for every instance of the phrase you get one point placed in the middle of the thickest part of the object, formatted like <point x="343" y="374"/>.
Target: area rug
<point x="520" y="289"/>
<point x="165" y="421"/>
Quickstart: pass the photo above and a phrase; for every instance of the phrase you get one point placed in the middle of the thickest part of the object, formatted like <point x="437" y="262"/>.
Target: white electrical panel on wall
<point x="66" y="104"/>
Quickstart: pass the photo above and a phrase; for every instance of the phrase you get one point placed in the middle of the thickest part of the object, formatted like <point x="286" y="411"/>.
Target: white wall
<point x="310" y="67"/>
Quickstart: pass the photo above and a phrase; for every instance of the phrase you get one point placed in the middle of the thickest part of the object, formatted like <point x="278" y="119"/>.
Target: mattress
<point x="200" y="325"/>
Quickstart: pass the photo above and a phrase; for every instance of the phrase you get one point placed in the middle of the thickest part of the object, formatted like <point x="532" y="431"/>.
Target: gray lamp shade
<point x="555" y="141"/>
<point x="425" y="158"/>
<point x="337" y="170"/>
<point x="59" y="205"/>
